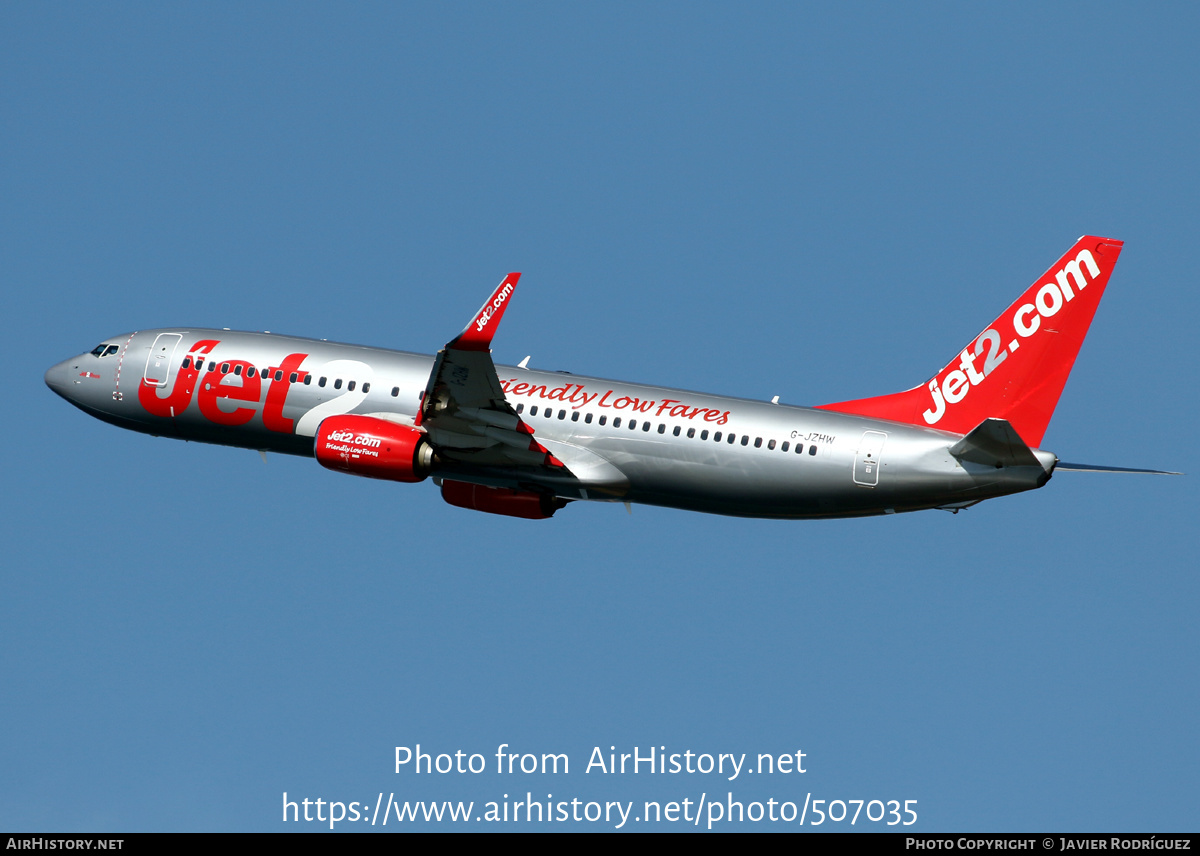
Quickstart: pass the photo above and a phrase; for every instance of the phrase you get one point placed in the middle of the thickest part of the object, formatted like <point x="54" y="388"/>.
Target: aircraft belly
<point x="756" y="482"/>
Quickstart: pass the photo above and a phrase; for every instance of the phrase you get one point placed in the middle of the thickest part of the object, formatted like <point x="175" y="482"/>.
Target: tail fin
<point x="1019" y="363"/>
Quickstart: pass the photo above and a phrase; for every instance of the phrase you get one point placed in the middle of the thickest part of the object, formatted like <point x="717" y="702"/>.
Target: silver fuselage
<point x="619" y="441"/>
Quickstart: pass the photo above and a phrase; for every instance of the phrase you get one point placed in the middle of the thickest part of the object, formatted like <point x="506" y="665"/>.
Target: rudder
<point x="1017" y="367"/>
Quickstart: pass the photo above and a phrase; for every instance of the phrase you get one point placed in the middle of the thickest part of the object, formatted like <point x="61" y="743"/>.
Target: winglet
<point x="478" y="334"/>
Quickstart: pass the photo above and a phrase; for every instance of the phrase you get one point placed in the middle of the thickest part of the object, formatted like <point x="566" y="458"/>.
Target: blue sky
<point x="817" y="202"/>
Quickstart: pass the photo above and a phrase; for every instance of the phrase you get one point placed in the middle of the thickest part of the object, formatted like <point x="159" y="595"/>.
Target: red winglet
<point x="478" y="334"/>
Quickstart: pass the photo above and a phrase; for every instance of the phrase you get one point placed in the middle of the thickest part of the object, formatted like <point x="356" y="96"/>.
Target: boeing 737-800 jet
<point x="515" y="441"/>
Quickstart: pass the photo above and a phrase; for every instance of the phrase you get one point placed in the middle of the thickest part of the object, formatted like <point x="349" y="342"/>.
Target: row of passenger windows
<point x="306" y="378"/>
<point x="717" y="436"/>
<point x="296" y="377"/>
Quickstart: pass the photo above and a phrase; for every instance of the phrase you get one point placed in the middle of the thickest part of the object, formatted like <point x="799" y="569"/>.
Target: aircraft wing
<point x="464" y="411"/>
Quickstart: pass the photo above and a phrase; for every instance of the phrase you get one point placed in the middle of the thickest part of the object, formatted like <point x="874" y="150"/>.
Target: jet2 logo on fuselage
<point x="211" y="390"/>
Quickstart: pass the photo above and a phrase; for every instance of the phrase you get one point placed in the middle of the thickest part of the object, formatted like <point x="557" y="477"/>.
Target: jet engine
<point x="375" y="448"/>
<point x="501" y="500"/>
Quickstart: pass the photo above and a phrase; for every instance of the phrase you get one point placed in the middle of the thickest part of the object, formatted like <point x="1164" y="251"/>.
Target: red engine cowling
<point x="375" y="448"/>
<point x="501" y="500"/>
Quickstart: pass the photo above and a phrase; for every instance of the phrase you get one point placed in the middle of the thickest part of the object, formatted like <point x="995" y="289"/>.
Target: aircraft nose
<point x="58" y="377"/>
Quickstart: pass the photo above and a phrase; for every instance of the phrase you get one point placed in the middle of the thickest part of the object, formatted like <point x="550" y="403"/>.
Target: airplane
<point x="516" y="441"/>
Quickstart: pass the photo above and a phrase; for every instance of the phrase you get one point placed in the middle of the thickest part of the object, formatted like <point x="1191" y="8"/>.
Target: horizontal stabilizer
<point x="1095" y="468"/>
<point x="994" y="443"/>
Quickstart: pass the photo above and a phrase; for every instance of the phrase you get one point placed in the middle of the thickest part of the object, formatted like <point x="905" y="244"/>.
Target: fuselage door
<point x="158" y="364"/>
<point x="867" y="461"/>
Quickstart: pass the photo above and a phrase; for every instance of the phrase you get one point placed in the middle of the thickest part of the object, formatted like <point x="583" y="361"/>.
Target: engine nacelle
<point x="375" y="448"/>
<point x="501" y="500"/>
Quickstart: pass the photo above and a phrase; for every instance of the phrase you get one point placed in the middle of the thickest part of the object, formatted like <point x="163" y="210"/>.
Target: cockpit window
<point x="104" y="350"/>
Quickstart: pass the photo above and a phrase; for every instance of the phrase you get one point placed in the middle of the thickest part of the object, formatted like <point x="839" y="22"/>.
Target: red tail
<point x="1020" y="363"/>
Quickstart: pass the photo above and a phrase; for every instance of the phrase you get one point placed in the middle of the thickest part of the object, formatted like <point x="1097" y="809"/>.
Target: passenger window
<point x="549" y="411"/>
<point x="337" y="384"/>
<point x="617" y="422"/>
<point x="212" y="367"/>
<point x="562" y="414"/>
<point x="395" y="391"/>
<point x="812" y="450"/>
<point x="520" y="408"/>
<point x="187" y="363"/>
<point x="278" y="374"/>
<point x="717" y="437"/>
<point x="307" y="379"/>
<point x="321" y="382"/>
<point x="745" y="439"/>
<point x="675" y="432"/>
<point x="603" y="419"/>
<point x="575" y="416"/>
<point x="691" y="433"/>
<point x="350" y="386"/>
<point x="587" y="417"/>
<point x="632" y="424"/>
<point x="799" y="448"/>
<point x="731" y="439"/>
<point x="251" y="371"/>
<point x="533" y="410"/>
<point x="703" y="434"/>
<point x="237" y="370"/>
<point x="295" y="377"/>
<point x="366" y="388"/>
<point x="785" y="445"/>
<point x="770" y="444"/>
<point x="224" y="368"/>
<point x="757" y="442"/>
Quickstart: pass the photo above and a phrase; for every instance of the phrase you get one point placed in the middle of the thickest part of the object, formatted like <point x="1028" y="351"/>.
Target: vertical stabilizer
<point x="1016" y="368"/>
